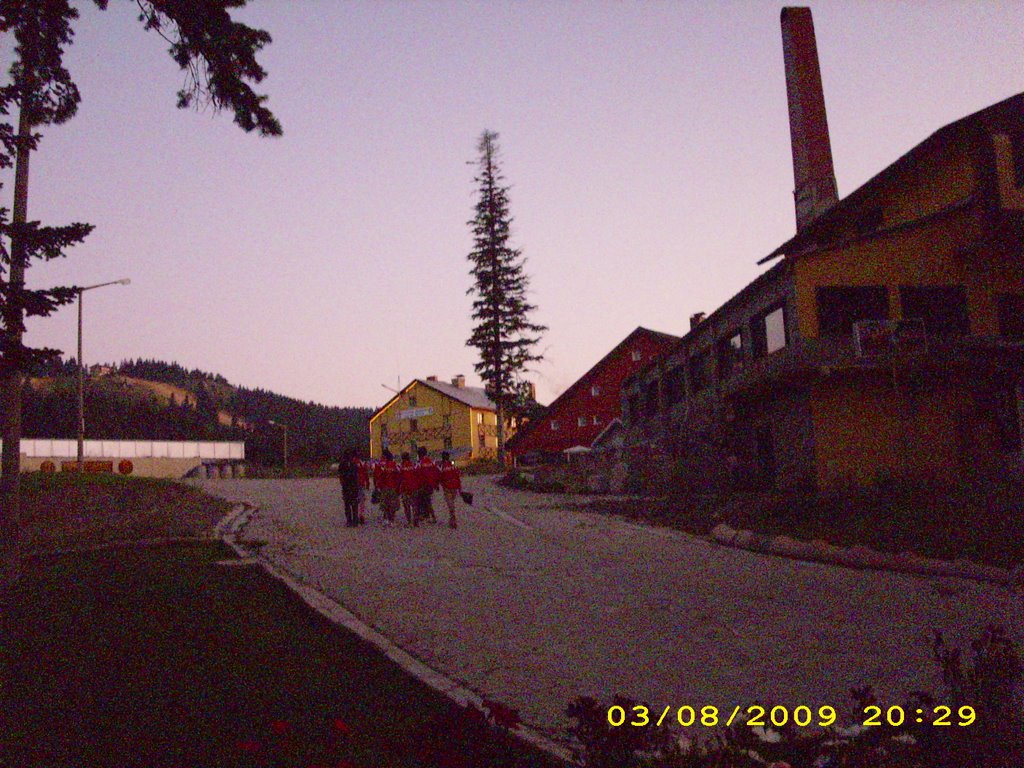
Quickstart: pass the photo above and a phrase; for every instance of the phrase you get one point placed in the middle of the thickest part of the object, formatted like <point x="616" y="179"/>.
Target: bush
<point x="483" y="467"/>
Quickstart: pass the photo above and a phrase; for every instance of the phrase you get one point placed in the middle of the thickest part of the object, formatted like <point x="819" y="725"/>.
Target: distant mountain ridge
<point x="156" y="400"/>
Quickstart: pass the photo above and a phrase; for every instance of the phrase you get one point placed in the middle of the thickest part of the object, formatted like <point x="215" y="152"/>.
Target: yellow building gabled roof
<point x="474" y="397"/>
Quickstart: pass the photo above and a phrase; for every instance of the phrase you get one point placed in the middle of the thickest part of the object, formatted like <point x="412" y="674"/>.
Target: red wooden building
<point x="580" y="413"/>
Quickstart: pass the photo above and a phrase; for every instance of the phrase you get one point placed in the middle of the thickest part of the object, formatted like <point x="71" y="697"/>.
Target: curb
<point x="859" y="556"/>
<point x="230" y="529"/>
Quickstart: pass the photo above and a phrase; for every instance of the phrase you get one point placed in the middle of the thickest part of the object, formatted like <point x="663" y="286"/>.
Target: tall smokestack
<point x="814" y="177"/>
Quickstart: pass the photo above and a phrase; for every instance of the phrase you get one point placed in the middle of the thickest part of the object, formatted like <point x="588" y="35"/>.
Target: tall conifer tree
<point x="503" y="335"/>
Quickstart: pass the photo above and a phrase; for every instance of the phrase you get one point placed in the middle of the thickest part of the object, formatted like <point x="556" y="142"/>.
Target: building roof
<point x="585" y="378"/>
<point x="992" y="117"/>
<point x="474" y="397"/>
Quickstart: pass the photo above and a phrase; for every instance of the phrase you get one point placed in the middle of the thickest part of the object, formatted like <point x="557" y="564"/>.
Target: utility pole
<point x="81" y="371"/>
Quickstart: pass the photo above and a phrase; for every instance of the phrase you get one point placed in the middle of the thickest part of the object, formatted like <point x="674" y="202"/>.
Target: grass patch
<point x="70" y="510"/>
<point x="156" y="656"/>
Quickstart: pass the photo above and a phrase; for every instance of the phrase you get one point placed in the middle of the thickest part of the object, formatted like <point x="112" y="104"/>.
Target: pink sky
<point x="647" y="146"/>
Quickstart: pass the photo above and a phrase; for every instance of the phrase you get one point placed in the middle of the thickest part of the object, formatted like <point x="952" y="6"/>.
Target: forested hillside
<point x="155" y="400"/>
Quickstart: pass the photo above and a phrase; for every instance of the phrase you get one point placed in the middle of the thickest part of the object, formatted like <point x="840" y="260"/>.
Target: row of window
<point x="768" y="332"/>
<point x="942" y="309"/>
<point x="581" y="421"/>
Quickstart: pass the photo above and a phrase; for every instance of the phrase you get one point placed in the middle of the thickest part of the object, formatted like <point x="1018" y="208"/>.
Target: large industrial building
<point x="888" y="337"/>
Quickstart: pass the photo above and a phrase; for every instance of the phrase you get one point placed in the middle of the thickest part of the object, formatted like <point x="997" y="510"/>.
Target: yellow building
<point x="889" y="340"/>
<point x="438" y="416"/>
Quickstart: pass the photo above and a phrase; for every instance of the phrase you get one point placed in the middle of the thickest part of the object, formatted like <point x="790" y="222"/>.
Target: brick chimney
<point x="696" y="319"/>
<point x="431" y="378"/>
<point x="813" y="174"/>
<point x="459" y="381"/>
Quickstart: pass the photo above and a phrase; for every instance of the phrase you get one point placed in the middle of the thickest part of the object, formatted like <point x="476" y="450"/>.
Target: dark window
<point x="413" y="425"/>
<point x="839" y="308"/>
<point x="675" y="385"/>
<point x="412" y="400"/>
<point x="447" y="443"/>
<point x="1011" y="316"/>
<point x="943" y="308"/>
<point x="730" y="355"/>
<point x="697" y="368"/>
<point x="651" y="398"/>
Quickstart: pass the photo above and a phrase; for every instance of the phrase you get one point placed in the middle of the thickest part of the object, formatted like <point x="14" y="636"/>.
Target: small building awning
<point x="576" y="449"/>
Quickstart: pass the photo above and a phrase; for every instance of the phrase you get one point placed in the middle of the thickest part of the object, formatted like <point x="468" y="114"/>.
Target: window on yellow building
<point x="839" y="307"/>
<point x="942" y="308"/>
<point x="413" y="425"/>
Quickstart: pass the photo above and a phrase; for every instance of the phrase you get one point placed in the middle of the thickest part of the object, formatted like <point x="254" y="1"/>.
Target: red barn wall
<point x="579" y="402"/>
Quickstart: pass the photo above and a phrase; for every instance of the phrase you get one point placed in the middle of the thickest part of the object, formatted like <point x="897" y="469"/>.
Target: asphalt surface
<point x="531" y="604"/>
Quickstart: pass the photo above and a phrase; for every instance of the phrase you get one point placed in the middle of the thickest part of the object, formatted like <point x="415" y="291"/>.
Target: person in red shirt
<point x="407" y="488"/>
<point x="451" y="484"/>
<point x="386" y="476"/>
<point x="429" y="476"/>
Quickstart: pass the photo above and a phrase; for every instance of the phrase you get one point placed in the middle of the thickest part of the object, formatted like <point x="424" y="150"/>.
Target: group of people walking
<point x="408" y="485"/>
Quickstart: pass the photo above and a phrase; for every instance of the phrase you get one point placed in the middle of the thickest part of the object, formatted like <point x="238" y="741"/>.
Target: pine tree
<point x="504" y="336"/>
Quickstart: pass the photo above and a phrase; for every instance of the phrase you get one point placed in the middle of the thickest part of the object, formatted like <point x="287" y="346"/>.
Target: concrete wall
<point x="142" y="467"/>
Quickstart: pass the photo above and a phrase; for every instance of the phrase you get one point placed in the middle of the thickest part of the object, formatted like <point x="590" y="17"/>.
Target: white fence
<point x="132" y="449"/>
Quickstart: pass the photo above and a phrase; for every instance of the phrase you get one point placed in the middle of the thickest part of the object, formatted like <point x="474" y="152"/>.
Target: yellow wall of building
<point x="931" y="253"/>
<point x="447" y="417"/>
<point x="472" y="431"/>
<point x="864" y="430"/>
<point x="858" y="432"/>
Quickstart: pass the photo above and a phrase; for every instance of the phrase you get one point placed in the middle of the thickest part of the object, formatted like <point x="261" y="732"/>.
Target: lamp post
<point x="285" y="428"/>
<point x="81" y="370"/>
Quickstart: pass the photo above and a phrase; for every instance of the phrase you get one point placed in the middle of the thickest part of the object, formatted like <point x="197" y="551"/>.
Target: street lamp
<point x="81" y="370"/>
<point x="285" y="428"/>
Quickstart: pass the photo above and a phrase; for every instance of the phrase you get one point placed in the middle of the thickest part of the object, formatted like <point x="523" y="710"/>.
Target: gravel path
<point x="533" y="605"/>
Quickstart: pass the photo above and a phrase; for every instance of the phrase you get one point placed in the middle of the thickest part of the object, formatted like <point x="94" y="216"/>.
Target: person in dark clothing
<point x="348" y="474"/>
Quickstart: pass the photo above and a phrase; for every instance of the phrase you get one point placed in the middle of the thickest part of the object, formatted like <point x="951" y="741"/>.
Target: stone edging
<point x="230" y="529"/>
<point x="858" y="556"/>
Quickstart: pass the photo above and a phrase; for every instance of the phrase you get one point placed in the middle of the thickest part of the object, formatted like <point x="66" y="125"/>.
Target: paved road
<point x="533" y="605"/>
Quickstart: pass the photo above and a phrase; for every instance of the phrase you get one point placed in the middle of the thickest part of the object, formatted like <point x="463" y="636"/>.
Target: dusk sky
<point x="646" y="145"/>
